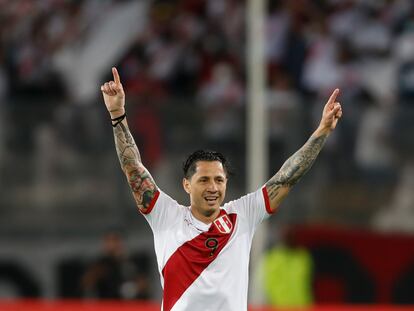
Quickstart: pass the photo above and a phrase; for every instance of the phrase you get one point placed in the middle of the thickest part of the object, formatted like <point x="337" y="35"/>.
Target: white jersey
<point x="205" y="266"/>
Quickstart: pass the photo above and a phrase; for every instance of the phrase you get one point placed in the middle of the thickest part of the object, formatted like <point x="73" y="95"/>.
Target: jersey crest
<point x="223" y="224"/>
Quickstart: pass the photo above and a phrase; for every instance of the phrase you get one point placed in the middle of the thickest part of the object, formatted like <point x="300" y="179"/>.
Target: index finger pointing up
<point x="117" y="79"/>
<point x="332" y="99"/>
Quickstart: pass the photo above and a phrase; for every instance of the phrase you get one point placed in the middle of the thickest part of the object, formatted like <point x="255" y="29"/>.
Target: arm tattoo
<point x="141" y="182"/>
<point x="296" y="166"/>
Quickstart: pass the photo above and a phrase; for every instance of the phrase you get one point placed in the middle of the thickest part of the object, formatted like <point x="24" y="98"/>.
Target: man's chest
<point x="225" y="234"/>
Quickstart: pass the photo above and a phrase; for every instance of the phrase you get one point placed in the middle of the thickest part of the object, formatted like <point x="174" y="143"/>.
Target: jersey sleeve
<point x="253" y="207"/>
<point x="163" y="212"/>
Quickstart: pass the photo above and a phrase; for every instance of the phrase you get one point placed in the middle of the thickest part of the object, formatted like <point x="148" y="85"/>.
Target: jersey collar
<point x="197" y="224"/>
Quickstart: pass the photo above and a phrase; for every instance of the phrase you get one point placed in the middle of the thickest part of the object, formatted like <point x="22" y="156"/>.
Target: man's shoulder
<point x="167" y="203"/>
<point x="241" y="200"/>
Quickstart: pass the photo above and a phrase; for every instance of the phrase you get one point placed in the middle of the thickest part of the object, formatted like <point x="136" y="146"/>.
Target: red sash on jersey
<point x="191" y="258"/>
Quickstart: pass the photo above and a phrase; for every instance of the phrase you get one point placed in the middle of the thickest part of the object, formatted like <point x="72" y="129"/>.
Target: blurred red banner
<point x="82" y="305"/>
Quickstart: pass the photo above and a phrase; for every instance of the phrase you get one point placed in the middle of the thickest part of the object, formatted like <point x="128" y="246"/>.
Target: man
<point x="114" y="270"/>
<point x="203" y="250"/>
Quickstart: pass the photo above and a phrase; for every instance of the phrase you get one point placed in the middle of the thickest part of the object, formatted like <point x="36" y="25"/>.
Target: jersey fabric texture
<point x="205" y="266"/>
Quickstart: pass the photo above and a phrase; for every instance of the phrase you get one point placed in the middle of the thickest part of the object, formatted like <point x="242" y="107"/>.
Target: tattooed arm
<point x="140" y="180"/>
<point x="300" y="162"/>
<point x="142" y="184"/>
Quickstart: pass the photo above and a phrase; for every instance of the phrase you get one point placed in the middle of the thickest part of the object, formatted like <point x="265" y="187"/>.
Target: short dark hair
<point x="190" y="165"/>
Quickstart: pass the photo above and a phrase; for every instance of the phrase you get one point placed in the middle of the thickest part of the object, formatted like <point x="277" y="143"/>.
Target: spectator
<point x="287" y="273"/>
<point x="115" y="275"/>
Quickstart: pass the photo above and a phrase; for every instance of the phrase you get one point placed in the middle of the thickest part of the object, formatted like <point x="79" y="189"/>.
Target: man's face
<point x="207" y="188"/>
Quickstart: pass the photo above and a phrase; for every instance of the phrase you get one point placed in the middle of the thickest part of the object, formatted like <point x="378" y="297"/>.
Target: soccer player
<point x="203" y="250"/>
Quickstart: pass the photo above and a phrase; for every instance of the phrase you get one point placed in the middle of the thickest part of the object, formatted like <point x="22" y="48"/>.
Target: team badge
<point x="223" y="224"/>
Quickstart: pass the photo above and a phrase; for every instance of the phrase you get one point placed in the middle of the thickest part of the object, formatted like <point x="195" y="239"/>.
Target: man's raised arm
<point x="301" y="161"/>
<point x="140" y="180"/>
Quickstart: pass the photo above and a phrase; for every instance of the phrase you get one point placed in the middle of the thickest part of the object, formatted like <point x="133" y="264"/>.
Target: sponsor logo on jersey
<point x="223" y="224"/>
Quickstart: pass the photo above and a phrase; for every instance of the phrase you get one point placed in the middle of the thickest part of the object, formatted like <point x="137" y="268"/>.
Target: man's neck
<point x="203" y="218"/>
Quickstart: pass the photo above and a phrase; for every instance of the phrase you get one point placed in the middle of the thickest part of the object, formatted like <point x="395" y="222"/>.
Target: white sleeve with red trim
<point x="163" y="212"/>
<point x="253" y="207"/>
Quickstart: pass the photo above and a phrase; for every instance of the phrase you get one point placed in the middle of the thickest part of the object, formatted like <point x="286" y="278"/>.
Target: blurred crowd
<point x="185" y="79"/>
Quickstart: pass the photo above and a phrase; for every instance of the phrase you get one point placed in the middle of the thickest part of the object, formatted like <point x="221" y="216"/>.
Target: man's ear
<point x="186" y="185"/>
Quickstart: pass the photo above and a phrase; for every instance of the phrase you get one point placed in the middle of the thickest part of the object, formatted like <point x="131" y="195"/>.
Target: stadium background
<point x="183" y="65"/>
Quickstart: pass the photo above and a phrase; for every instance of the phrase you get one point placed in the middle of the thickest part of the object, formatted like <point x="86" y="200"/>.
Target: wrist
<point x="117" y="120"/>
<point x="322" y="131"/>
<point x="117" y="113"/>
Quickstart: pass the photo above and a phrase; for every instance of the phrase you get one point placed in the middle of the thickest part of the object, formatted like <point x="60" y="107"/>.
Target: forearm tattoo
<point x="140" y="180"/>
<point x="296" y="166"/>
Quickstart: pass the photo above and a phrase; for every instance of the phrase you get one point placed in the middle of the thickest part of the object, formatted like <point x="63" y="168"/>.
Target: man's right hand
<point x="114" y="96"/>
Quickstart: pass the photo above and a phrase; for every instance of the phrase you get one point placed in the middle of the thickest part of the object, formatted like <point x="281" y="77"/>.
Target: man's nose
<point x="212" y="186"/>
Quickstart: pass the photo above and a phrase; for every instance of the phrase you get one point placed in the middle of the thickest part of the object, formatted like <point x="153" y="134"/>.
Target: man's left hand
<point x="332" y="112"/>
